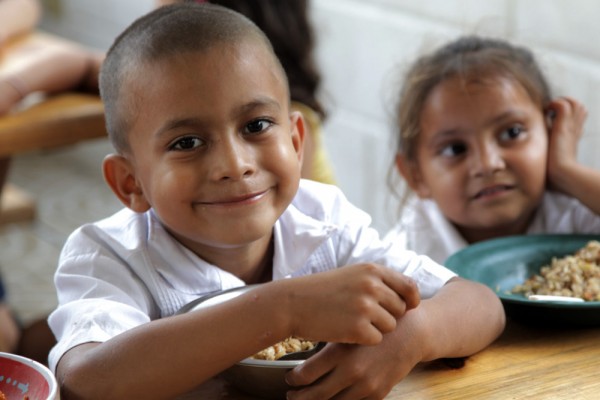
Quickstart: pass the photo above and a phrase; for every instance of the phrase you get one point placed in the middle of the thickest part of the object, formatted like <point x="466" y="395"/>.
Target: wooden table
<point x="524" y="363"/>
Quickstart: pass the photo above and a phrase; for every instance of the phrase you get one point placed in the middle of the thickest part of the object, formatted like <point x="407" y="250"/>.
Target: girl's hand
<point x="352" y="304"/>
<point x="566" y="130"/>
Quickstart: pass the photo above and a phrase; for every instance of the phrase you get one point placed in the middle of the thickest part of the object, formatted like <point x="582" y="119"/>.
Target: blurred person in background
<point x="34" y="63"/>
<point x="16" y="17"/>
<point x="40" y="64"/>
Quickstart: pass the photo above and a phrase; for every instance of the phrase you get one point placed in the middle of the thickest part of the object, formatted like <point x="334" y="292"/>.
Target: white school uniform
<point x="126" y="270"/>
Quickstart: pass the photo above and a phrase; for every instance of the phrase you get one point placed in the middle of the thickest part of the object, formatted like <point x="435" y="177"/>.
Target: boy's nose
<point x="486" y="159"/>
<point x="233" y="160"/>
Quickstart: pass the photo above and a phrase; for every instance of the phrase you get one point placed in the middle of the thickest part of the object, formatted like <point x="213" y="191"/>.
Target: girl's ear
<point x="298" y="126"/>
<point x="119" y="174"/>
<point x="411" y="174"/>
<point x="549" y="115"/>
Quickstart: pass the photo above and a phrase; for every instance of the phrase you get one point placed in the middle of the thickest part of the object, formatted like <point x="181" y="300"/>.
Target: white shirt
<point x="425" y="230"/>
<point x="126" y="270"/>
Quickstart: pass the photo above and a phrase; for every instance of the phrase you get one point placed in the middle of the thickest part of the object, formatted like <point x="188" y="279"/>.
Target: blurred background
<point x="363" y="47"/>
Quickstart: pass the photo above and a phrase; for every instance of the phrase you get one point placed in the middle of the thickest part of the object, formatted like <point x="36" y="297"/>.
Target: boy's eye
<point x="187" y="143"/>
<point x="512" y="133"/>
<point x="453" y="149"/>
<point x="257" y="126"/>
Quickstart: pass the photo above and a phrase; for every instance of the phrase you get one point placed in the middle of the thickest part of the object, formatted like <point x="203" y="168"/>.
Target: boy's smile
<point x="482" y="155"/>
<point x="214" y="149"/>
<point x="235" y="200"/>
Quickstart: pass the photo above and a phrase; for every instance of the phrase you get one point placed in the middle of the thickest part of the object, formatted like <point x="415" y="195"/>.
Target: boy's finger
<point x="313" y="368"/>
<point x="367" y="334"/>
<point x="393" y="303"/>
<point x="384" y="321"/>
<point x="404" y="286"/>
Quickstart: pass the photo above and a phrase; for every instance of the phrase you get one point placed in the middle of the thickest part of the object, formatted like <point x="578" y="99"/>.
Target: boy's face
<point x="482" y="155"/>
<point x="214" y="148"/>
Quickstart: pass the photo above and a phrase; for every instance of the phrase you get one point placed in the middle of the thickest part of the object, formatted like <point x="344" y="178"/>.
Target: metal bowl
<point x="262" y="378"/>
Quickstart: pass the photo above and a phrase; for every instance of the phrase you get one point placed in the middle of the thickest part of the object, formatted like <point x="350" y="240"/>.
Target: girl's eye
<point x="453" y="149"/>
<point x="187" y="143"/>
<point x="258" y="126"/>
<point x="512" y="133"/>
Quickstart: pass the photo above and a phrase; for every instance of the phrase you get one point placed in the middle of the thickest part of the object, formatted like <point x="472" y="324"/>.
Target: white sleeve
<point x="99" y="296"/>
<point x="429" y="275"/>
<point x="359" y="242"/>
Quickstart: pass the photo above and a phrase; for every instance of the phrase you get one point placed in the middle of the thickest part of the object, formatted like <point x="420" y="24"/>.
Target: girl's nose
<point x="233" y="159"/>
<point x="486" y="159"/>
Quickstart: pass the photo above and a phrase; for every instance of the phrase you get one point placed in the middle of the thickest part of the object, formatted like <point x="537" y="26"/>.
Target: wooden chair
<point x="46" y="122"/>
<point x="60" y="120"/>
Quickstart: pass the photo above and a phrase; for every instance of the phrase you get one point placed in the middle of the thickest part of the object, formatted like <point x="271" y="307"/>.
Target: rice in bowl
<point x="576" y="275"/>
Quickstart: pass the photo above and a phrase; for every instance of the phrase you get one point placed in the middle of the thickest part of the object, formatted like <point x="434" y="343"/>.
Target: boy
<point x="208" y="164"/>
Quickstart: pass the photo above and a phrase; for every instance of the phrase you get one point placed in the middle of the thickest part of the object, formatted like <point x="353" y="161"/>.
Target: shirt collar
<point x="297" y="236"/>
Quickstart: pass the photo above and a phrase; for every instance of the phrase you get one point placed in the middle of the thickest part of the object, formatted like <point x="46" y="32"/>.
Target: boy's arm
<point x="167" y="357"/>
<point x="565" y="172"/>
<point x="460" y="320"/>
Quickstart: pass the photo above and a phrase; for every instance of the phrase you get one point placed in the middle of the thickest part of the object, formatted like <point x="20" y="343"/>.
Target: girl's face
<point x="481" y="155"/>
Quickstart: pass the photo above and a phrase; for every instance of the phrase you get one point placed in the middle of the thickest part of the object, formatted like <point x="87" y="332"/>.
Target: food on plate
<point x="576" y="275"/>
<point x="278" y="350"/>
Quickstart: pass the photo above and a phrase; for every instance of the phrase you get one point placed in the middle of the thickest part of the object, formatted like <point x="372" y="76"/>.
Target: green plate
<point x="505" y="262"/>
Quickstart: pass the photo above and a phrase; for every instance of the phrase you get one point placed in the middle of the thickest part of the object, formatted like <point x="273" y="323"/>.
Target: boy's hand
<point x="344" y="371"/>
<point x="565" y="132"/>
<point x="353" y="304"/>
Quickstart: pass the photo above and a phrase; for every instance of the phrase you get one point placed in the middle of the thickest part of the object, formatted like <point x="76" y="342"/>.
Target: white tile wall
<point x="365" y="44"/>
<point x="94" y="23"/>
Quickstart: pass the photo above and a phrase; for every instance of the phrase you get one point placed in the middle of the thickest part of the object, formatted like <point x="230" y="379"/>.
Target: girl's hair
<point x="469" y="58"/>
<point x="287" y="25"/>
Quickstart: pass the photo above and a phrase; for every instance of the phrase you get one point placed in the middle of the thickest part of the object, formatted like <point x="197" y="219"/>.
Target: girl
<point x="488" y="152"/>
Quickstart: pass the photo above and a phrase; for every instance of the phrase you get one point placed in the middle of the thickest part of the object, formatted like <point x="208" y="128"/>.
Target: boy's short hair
<point x="165" y="32"/>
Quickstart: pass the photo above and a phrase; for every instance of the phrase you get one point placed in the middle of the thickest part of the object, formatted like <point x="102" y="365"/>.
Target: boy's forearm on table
<point x="173" y="355"/>
<point x="462" y="319"/>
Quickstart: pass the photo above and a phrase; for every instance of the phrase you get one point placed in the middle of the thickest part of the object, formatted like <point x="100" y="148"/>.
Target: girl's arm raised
<point x="565" y="172"/>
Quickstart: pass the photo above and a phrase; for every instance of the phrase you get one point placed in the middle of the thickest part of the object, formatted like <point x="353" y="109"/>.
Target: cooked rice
<point x="278" y="350"/>
<point x="576" y="275"/>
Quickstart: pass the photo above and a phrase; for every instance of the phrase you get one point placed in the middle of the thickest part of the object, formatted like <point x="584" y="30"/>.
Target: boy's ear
<point x="119" y="174"/>
<point x="411" y="174"/>
<point x="298" y="126"/>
